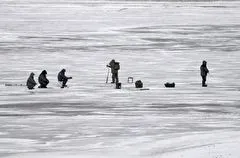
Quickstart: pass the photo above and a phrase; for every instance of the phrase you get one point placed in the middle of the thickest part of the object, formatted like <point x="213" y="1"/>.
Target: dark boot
<point x="42" y="86"/>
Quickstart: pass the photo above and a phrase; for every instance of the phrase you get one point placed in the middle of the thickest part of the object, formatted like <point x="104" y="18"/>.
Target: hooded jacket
<point x="204" y="69"/>
<point x="114" y="67"/>
<point x="31" y="82"/>
<point x="42" y="79"/>
<point x="61" y="75"/>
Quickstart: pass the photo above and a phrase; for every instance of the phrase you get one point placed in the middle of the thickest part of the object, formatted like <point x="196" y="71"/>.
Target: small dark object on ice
<point x="138" y="84"/>
<point x="169" y="85"/>
<point x="118" y="85"/>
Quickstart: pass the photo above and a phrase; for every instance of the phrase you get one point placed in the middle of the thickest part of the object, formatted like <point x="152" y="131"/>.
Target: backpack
<point x="138" y="84"/>
<point x="116" y="66"/>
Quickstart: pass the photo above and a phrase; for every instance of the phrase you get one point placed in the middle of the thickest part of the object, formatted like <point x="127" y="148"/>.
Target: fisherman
<point x="31" y="82"/>
<point x="114" y="70"/>
<point x="204" y="72"/>
<point x="62" y="78"/>
<point x="42" y="79"/>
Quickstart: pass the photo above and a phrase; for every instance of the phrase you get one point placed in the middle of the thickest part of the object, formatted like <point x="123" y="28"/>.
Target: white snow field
<point x="155" y="42"/>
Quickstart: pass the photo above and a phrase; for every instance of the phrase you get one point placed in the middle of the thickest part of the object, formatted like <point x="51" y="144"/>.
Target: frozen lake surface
<point x="155" y="42"/>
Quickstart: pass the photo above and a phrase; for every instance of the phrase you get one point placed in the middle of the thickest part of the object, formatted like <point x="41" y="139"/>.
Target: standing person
<point x="62" y="78"/>
<point x="114" y="70"/>
<point x="31" y="82"/>
<point x="42" y="79"/>
<point x="204" y="72"/>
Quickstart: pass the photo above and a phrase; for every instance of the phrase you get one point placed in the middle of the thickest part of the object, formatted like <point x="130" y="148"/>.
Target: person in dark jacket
<point x="62" y="78"/>
<point x="204" y="72"/>
<point x="114" y="70"/>
<point x="31" y="82"/>
<point x="42" y="79"/>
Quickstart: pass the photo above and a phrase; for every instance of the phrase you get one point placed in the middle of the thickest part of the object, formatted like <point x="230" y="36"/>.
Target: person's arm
<point x="65" y="77"/>
<point x="47" y="80"/>
<point x="44" y="79"/>
<point x="111" y="64"/>
<point x="33" y="82"/>
<point x="206" y="70"/>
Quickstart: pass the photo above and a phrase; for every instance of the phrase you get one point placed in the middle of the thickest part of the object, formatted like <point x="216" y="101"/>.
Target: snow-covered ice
<point x="155" y="42"/>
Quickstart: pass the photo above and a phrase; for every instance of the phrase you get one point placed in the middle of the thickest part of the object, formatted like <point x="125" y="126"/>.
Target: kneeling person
<point x="31" y="82"/>
<point x="42" y="79"/>
<point x="62" y="78"/>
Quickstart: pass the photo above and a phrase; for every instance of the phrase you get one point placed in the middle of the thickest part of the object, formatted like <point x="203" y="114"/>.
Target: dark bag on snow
<point x="138" y="84"/>
<point x="118" y="85"/>
<point x="169" y="85"/>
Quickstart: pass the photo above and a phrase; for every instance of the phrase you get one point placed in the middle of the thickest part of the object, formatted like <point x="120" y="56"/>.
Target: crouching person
<point x="63" y="78"/>
<point x="31" y="82"/>
<point x="42" y="79"/>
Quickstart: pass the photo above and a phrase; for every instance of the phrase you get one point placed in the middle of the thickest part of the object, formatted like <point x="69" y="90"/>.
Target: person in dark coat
<point x="204" y="72"/>
<point x="114" y="70"/>
<point x="42" y="79"/>
<point x="62" y="78"/>
<point x="31" y="82"/>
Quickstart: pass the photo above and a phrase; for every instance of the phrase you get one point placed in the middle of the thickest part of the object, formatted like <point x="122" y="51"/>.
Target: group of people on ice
<point x="115" y="66"/>
<point x="43" y="81"/>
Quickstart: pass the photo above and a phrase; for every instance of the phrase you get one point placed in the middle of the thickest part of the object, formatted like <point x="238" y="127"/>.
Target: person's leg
<point x="203" y="81"/>
<point x="43" y="85"/>
<point x="64" y="82"/>
<point x="113" y="78"/>
<point x="116" y="76"/>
